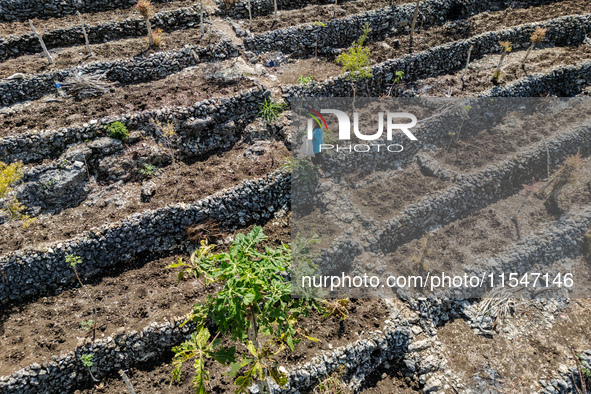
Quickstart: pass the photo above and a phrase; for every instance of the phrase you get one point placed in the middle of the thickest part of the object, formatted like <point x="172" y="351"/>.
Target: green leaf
<point x="279" y="377"/>
<point x="237" y="366"/>
<point x="225" y="356"/>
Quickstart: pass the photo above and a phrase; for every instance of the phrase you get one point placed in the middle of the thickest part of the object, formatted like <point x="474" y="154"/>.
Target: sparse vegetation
<point x="148" y="170"/>
<point x="86" y="324"/>
<point x="336" y="308"/>
<point x="333" y="384"/>
<point x="157" y="39"/>
<point x="117" y="130"/>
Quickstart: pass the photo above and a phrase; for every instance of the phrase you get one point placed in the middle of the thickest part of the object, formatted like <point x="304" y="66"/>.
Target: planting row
<point x="194" y="123"/>
<point x="471" y="193"/>
<point x="133" y="71"/>
<point x="20" y="10"/>
<point x="32" y="273"/>
<point x="339" y="33"/>
<point x="182" y="18"/>
<point x="564" y="31"/>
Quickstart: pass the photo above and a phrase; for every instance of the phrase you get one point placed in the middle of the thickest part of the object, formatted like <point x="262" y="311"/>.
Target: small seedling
<point x="146" y="10"/>
<point x="506" y="47"/>
<point x="86" y="324"/>
<point x="305" y="81"/>
<point x="117" y="130"/>
<point x="271" y="109"/>
<point x="73" y="261"/>
<point x="87" y="362"/>
<point x="537" y="36"/>
<point x="398" y="77"/>
<point x="148" y="170"/>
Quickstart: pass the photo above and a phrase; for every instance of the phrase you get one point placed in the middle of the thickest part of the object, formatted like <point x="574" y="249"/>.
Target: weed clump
<point x="118" y="131"/>
<point x="271" y="109"/>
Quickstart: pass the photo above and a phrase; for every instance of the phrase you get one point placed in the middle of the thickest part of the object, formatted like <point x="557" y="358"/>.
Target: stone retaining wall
<point x="447" y="58"/>
<point x="196" y="139"/>
<point x="182" y="18"/>
<point x="31" y="273"/>
<point x="21" y="10"/>
<point x="127" y="71"/>
<point x="388" y="21"/>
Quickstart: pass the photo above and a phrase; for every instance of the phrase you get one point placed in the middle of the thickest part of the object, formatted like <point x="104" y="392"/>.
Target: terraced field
<point x="130" y="207"/>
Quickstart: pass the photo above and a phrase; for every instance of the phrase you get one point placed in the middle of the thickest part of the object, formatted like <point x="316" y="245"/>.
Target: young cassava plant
<point x="355" y="61"/>
<point x="253" y="307"/>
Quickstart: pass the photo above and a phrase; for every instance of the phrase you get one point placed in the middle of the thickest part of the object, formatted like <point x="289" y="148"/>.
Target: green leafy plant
<point x="117" y="130"/>
<point x="305" y="80"/>
<point x="355" y="61"/>
<point x="9" y="175"/>
<point x="148" y="170"/>
<point x="254" y="306"/>
<point x="87" y="324"/>
<point x="506" y="47"/>
<point x="271" y="109"/>
<point x="88" y="363"/>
